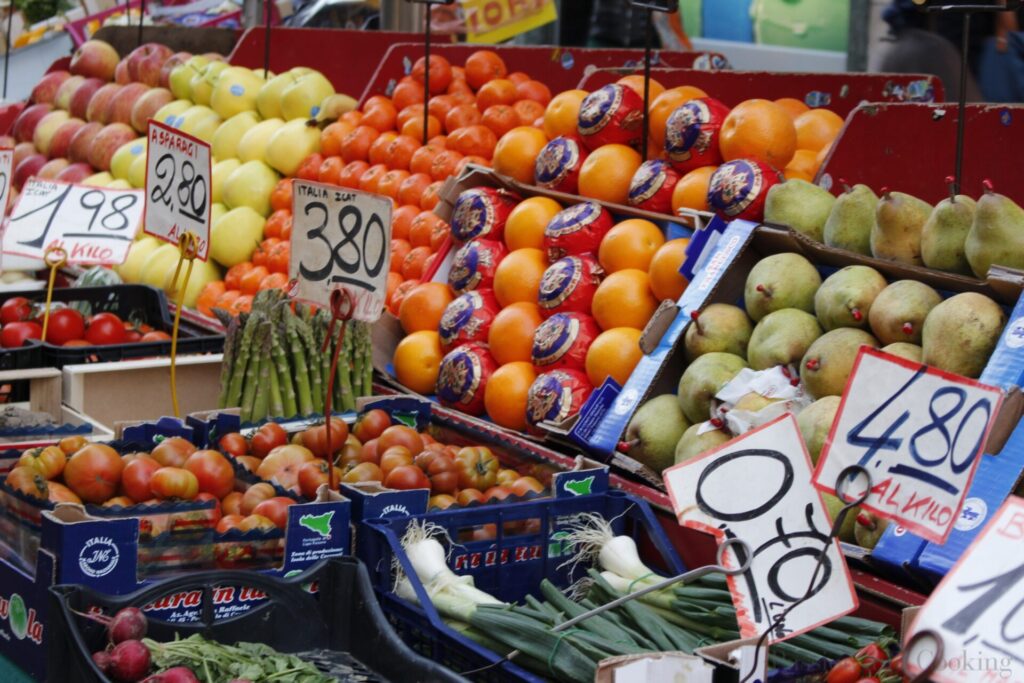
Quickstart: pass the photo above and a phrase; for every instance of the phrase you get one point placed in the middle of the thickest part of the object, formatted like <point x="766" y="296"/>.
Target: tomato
<point x="130" y="337"/>
<point x="869" y="679"/>
<point x="396" y="456"/>
<point x="155" y="336"/>
<point x="94" y="472"/>
<point x="406" y="477"/>
<point x="119" y="501"/>
<point x="506" y="477"/>
<point x="174" y="482"/>
<point x="256" y="494"/>
<point x="49" y="461"/>
<point x="75" y="343"/>
<point x="103" y="331"/>
<point x="14" y="334"/>
<point x="478" y="468"/>
<point x="250" y="462"/>
<point x="467" y="496"/>
<point x="267" y="438"/>
<point x="497" y="494"/>
<point x="427" y="456"/>
<point x="314" y="473"/>
<point x="443" y="474"/>
<point x="136" y="478"/>
<point x="231" y="504"/>
<point x="228" y="522"/>
<point x="871" y="658"/>
<point x="216" y="511"/>
<point x="106" y="316"/>
<point x="441" y="501"/>
<point x="65" y="324"/>
<point x="275" y="509"/>
<point x="27" y="480"/>
<point x="59" y="493"/>
<point x="400" y="435"/>
<point x="282" y="465"/>
<point x="350" y="456"/>
<point x="215" y="474"/>
<point x="846" y="670"/>
<point x="256" y="522"/>
<point x="366" y="471"/>
<point x="15" y="309"/>
<point x="370" y="451"/>
<point x="315" y="438"/>
<point x="70" y="444"/>
<point x="896" y="664"/>
<point x="233" y="444"/>
<point x="173" y="452"/>
<point x="525" y="486"/>
<point x="371" y="424"/>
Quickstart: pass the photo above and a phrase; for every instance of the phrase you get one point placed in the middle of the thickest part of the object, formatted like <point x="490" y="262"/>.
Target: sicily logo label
<point x="319" y="524"/>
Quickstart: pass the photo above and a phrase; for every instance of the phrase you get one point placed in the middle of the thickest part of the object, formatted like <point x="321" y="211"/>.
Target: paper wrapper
<point x="742" y="402"/>
<point x="558" y="164"/>
<point x="556" y="395"/>
<point x="568" y="285"/>
<point x="481" y="213"/>
<point x="691" y="134"/>
<point x="474" y="264"/>
<point x="738" y="189"/>
<point x="652" y="185"/>
<point x="562" y="341"/>
<point x="576" y="230"/>
<point x="612" y="114"/>
<point x="463" y="377"/>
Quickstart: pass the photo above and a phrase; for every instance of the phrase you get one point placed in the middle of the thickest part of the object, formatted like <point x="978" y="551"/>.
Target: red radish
<point x="102" y="661"/>
<point x="129" y="661"/>
<point x="179" y="674"/>
<point x="128" y="624"/>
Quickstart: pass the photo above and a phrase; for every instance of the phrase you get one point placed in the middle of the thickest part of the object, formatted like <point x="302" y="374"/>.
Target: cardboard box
<point x="44" y="390"/>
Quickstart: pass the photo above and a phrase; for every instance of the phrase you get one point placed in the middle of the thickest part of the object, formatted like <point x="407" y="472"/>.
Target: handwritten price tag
<point x="978" y="609"/>
<point x="758" y="488"/>
<point x="341" y="239"/>
<point x="93" y="225"/>
<point x="177" y="187"/>
<point x="6" y="172"/>
<point x="492" y="21"/>
<point x="918" y="431"/>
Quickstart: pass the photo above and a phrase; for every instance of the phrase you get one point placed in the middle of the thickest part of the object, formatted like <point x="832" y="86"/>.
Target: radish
<point x="129" y="661"/>
<point x="128" y="624"/>
<point x="102" y="661"/>
<point x="179" y="674"/>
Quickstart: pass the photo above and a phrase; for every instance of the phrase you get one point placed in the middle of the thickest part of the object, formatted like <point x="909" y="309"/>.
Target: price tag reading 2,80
<point x="757" y="488"/>
<point x="918" y="431"/>
<point x="178" y="187"/>
<point x="341" y="239"/>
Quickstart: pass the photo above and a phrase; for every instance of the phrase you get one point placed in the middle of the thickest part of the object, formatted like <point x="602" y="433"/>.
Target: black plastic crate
<point x="140" y="303"/>
<point x="341" y="623"/>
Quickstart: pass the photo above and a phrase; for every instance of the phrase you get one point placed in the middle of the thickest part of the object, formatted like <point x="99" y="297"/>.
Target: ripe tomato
<point x="174" y="482"/>
<point x="228" y="522"/>
<point x="65" y="325"/>
<point x="497" y="494"/>
<point x="256" y="494"/>
<point x="14" y="334"/>
<point x="256" y="522"/>
<point x="104" y="329"/>
<point x="313" y="474"/>
<point x="443" y="474"/>
<point x="282" y="465"/>
<point x="215" y="474"/>
<point x="467" y="496"/>
<point x="846" y="670"/>
<point x="48" y="462"/>
<point x="315" y="438"/>
<point x="400" y="435"/>
<point x="173" y="451"/>
<point x="396" y="456"/>
<point x="350" y="456"/>
<point x="525" y="486"/>
<point x="506" y="477"/>
<point x="70" y="444"/>
<point x="15" y="309"/>
<point x="275" y="509"/>
<point x="233" y="444"/>
<point x="267" y="438"/>
<point x="371" y="424"/>
<point x="59" y="493"/>
<point x="364" y="471"/>
<point x="28" y="481"/>
<point x="215" y="512"/>
<point x="440" y="502"/>
<point x="871" y="658"/>
<point x="478" y="468"/>
<point x="119" y="501"/>
<point x="94" y="472"/>
<point x="155" y="336"/>
<point x="406" y="477"/>
<point x="136" y="478"/>
<point x="250" y="462"/>
<point x="232" y="503"/>
<point x="371" y="451"/>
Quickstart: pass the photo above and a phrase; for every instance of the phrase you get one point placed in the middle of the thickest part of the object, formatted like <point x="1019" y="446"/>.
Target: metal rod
<point x="648" y="27"/>
<point x="142" y="16"/>
<point x="7" y="44"/>
<point x="266" y="37"/>
<point x="961" y="114"/>
<point x="426" y="74"/>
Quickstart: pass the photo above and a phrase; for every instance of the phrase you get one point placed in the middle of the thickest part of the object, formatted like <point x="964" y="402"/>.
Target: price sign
<point x="918" y="431"/>
<point x="977" y="611"/>
<point x="340" y="239"/>
<point x="757" y="488"/>
<point x="93" y="225"/>
<point x="6" y="168"/>
<point x="492" y="21"/>
<point x="178" y="187"/>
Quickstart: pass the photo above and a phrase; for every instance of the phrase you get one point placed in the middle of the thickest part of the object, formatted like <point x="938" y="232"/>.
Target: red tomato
<point x="14" y="334"/>
<point x="350" y="456"/>
<point x="228" y="522"/>
<point x="173" y="452"/>
<point x="467" y="496"/>
<point x="232" y="503"/>
<point x="443" y="474"/>
<point x="371" y="451"/>
<point x="525" y="486"/>
<point x="94" y="472"/>
<point x="217" y="513"/>
<point x="65" y="324"/>
<point x="215" y="474"/>
<point x="256" y="494"/>
<point x="871" y="658"/>
<point x="400" y="435"/>
<point x="155" y="336"/>
<point x="130" y="336"/>
<point x="315" y="438"/>
<point x="136" y="477"/>
<point x="364" y="471"/>
<point x="441" y="501"/>
<point x="313" y="474"/>
<point x="15" y="309"/>
<point x="396" y="456"/>
<point x="282" y="465"/>
<point x="846" y="670"/>
<point x="478" y="468"/>
<point x="174" y="482"/>
<point x="406" y="477"/>
<point x="105" y="330"/>
<point x="506" y="477"/>
<point x="256" y="522"/>
<point x="275" y="509"/>
<point x="497" y="493"/>
<point x="267" y="438"/>
<point x="233" y="444"/>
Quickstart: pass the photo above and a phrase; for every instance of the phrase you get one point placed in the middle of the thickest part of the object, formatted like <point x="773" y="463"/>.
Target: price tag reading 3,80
<point x="6" y="172"/>
<point x="178" y="187"/>
<point x="918" y="431"/>
<point x="93" y="225"/>
<point x="341" y="239"/>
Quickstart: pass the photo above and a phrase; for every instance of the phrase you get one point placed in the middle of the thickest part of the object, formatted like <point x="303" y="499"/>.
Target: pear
<point x="904" y="350"/>
<point x="827" y="364"/>
<point x="719" y="327"/>
<point x="219" y="175"/>
<point x="960" y="333"/>
<point x="833" y="506"/>
<point x="782" y="338"/>
<point x="899" y="311"/>
<point x="868" y="529"/>
<point x="655" y="430"/>
<point x="845" y="298"/>
<point x="997" y="234"/>
<point x="815" y="423"/>
<point x="800" y="205"/>
<point x="852" y="219"/>
<point x="780" y="281"/>
<point x="693" y="443"/>
<point x="944" y="234"/>
<point x="703" y="379"/>
<point x="899" y="220"/>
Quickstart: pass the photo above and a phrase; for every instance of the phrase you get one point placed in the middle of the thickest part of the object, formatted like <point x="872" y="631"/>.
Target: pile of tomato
<point x="871" y="664"/>
<point x="22" y="320"/>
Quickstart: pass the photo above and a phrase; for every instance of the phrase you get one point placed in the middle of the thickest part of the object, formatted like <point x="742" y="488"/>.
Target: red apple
<point x="7" y="141"/>
<point x="145" y="62"/>
<point x="47" y="87"/>
<point x="62" y="100"/>
<point x="121" y="74"/>
<point x="75" y="173"/>
<point x="107" y="142"/>
<point x="61" y="142"/>
<point x="28" y="119"/>
<point x="81" y="143"/>
<point x="22" y="150"/>
<point x="82" y="95"/>
<point x="99" y="106"/>
<point x="47" y="126"/>
<point x="147" y="105"/>
<point x="122" y="103"/>
<point x="28" y="168"/>
<point x="95" y="59"/>
<point x="52" y="168"/>
<point x="172" y="61"/>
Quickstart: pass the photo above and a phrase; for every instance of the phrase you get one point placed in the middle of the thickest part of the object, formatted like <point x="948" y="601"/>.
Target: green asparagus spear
<point x="283" y="371"/>
<point x="240" y="362"/>
<point x="261" y="405"/>
<point x="232" y="340"/>
<point x="303" y="390"/>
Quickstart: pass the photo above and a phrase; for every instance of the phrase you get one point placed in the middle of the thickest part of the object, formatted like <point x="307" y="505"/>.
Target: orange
<point x="371" y="177"/>
<point x="518" y="77"/>
<point x="691" y="192"/>
<point x="803" y="165"/>
<point x="417" y="361"/>
<point x="823" y="154"/>
<point x="613" y="354"/>
<point x="440" y="73"/>
<point x="517" y="150"/>
<point x="431" y="196"/>
<point x="351" y="173"/>
<point x="665" y="280"/>
<point x="330" y="172"/>
<point x="356" y="145"/>
<point x="378" y="153"/>
<point x="525" y="225"/>
<point x="400" y="151"/>
<point x="208" y="297"/>
<point x="380" y="116"/>
<point x="281" y="196"/>
<point x="630" y="244"/>
<point x="498" y="91"/>
<point x="411" y="190"/>
<point x="562" y="113"/>
<point x="440" y="105"/>
<point x="405" y="94"/>
<point x="394" y="279"/>
<point x="414" y="127"/>
<point x="635" y="82"/>
<point x="415" y="262"/>
<point x="423" y="306"/>
<point x="461" y="116"/>
<point x="760" y="130"/>
<point x="400" y="248"/>
<point x="529" y="112"/>
<point x="533" y="90"/>
<point x="250" y="282"/>
<point x="445" y="163"/>
<point x="511" y="333"/>
<point x="607" y="173"/>
<point x="500" y="118"/>
<point x="398" y="296"/>
<point x="423" y="157"/>
<point x="624" y="299"/>
<point x="666" y="103"/>
<point x="483" y="66"/>
<point x="331" y="137"/>
<point x="794" y="106"/>
<point x="390" y="182"/>
<point x="517" y="277"/>
<point x="817" y="128"/>
<point x="475" y="140"/>
<point x="505" y="394"/>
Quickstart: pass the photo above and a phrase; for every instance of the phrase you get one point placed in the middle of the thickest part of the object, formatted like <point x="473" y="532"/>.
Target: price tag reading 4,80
<point x="918" y="431"/>
<point x="341" y="239"/>
<point x="178" y="187"/>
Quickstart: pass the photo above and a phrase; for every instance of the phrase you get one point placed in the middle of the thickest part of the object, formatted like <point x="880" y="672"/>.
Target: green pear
<point x="219" y="175"/>
<point x="944" y="234"/>
<point x="782" y="338"/>
<point x="833" y="506"/>
<point x="904" y="350"/>
<point x="800" y="205"/>
<point x="997" y="234"/>
<point x="703" y="379"/>
<point x="655" y="430"/>
<point x="845" y="298"/>
<point x="780" y="281"/>
<point x="960" y="333"/>
<point x="899" y="311"/>
<point x="235" y="236"/>
<point x="899" y="220"/>
<point x="868" y="529"/>
<point x="250" y="185"/>
<point x="852" y="219"/>
<point x="815" y="423"/>
<point x="693" y="443"/>
<point x="719" y="327"/>
<point x="229" y="134"/>
<point x="827" y="364"/>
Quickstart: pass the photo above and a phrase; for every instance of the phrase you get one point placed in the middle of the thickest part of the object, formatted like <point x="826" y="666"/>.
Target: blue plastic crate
<point x="529" y="546"/>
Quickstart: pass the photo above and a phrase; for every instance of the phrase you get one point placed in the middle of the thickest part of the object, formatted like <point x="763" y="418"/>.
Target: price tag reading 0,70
<point x="918" y="431"/>
<point x="340" y="239"/>
<point x="93" y="225"/>
<point x="178" y="187"/>
<point x="757" y="488"/>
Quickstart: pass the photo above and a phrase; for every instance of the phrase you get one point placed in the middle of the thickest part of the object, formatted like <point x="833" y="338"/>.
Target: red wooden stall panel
<point x="840" y="92"/>
<point x="559" y="68"/>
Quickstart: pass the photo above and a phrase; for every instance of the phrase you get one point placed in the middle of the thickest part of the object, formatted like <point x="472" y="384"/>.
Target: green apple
<point x="137" y="255"/>
<point x="203" y="273"/>
<point x="301" y="99"/>
<point x="268" y="101"/>
<point x="169" y="113"/>
<point x="202" y="83"/>
<point x="159" y="264"/>
<point x="137" y="171"/>
<point x="292" y="143"/>
<point x="101" y="179"/>
<point x="124" y="156"/>
<point x="235" y="91"/>
<point x="225" y="140"/>
<point x="220" y="173"/>
<point x="180" y="79"/>
<point x="216" y="211"/>
<point x="253" y="145"/>
<point x="250" y="185"/>
<point x="235" y="236"/>
<point x="201" y="122"/>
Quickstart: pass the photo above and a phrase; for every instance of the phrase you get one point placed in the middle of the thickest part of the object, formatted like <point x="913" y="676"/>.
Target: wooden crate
<point x="45" y="397"/>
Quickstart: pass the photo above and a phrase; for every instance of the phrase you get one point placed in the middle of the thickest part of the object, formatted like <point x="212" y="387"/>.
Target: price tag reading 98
<point x="340" y="239"/>
<point x="178" y="187"/>
<point x="918" y="431"/>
